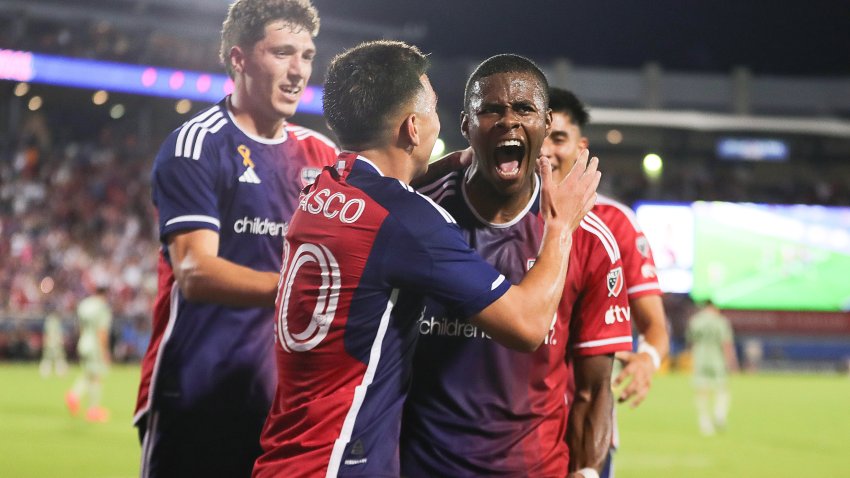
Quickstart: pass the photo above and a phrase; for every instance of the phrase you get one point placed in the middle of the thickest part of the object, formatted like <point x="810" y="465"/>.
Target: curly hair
<point x="246" y="23"/>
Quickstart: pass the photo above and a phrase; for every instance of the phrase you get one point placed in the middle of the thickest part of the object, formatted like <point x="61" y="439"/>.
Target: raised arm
<point x="204" y="277"/>
<point x="521" y="318"/>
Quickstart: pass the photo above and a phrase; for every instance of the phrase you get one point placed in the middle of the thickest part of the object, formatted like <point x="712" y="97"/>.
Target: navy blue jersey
<point x="477" y="408"/>
<point x="209" y="174"/>
<point x="362" y="253"/>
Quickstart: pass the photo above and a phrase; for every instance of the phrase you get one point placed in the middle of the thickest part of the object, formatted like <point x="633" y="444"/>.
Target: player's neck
<point x="251" y="121"/>
<point x="494" y="206"/>
<point x="393" y="163"/>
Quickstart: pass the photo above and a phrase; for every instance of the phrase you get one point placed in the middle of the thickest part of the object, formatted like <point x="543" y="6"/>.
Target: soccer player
<point x="53" y="347"/>
<point x="362" y="253"/>
<point x="225" y="185"/>
<point x="95" y="317"/>
<point x="475" y="407"/>
<point x="712" y="346"/>
<point x="562" y="147"/>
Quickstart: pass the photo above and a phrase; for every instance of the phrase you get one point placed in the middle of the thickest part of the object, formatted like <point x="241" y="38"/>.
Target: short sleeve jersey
<point x="477" y="408"/>
<point x="95" y="316"/>
<point x="362" y="253"/>
<point x="638" y="263"/>
<point x="708" y="332"/>
<point x="209" y="174"/>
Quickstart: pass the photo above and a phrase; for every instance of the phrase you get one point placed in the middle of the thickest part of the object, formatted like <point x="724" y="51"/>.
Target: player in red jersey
<point x="362" y="253"/>
<point x="562" y="147"/>
<point x="225" y="185"/>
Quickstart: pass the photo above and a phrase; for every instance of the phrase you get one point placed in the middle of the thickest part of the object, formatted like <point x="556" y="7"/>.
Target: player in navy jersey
<point x="225" y="185"/>
<point x="475" y="407"/>
<point x="562" y="147"/>
<point x="362" y="253"/>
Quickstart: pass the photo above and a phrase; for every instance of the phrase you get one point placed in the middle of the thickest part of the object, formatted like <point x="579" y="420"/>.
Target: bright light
<point x="183" y="106"/>
<point x="116" y="111"/>
<point x="439" y="149"/>
<point x="652" y="165"/>
<point x="35" y="103"/>
<point x="614" y="136"/>
<point x="21" y="89"/>
<point x="100" y="97"/>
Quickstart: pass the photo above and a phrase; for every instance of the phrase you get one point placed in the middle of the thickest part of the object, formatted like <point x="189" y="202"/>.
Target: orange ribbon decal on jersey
<point x="246" y="155"/>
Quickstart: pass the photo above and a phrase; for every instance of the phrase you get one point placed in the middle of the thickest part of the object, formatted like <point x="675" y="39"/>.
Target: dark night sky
<point x="778" y="37"/>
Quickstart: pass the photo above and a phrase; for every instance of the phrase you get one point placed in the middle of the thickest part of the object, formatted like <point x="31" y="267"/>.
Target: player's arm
<point x="521" y="317"/>
<point x="729" y="351"/>
<point x="590" y="422"/>
<point x="103" y="340"/>
<point x="204" y="277"/>
<point x="648" y="315"/>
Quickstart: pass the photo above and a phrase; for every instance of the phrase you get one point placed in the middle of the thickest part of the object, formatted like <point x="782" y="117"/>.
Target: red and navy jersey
<point x="638" y="264"/>
<point x="477" y="408"/>
<point x="362" y="253"/>
<point x="209" y="174"/>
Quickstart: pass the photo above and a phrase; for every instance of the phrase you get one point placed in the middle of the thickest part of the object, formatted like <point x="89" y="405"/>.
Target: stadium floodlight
<point x="653" y="165"/>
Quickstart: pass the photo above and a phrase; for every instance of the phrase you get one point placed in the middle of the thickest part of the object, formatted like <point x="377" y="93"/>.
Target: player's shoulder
<point x="440" y="188"/>
<point x="594" y="237"/>
<point x="311" y="138"/>
<point x="615" y="212"/>
<point x="190" y="138"/>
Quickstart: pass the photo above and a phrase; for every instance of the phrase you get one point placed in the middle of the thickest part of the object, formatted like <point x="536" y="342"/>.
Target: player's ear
<point x="237" y="59"/>
<point x="583" y="143"/>
<point x="548" y="120"/>
<point x="409" y="134"/>
<point x="464" y="124"/>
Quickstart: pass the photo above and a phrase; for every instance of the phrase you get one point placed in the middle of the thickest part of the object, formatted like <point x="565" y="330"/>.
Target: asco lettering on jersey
<point x="335" y="205"/>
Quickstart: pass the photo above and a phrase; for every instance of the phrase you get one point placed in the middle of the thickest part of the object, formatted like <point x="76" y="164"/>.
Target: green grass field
<point x="779" y="426"/>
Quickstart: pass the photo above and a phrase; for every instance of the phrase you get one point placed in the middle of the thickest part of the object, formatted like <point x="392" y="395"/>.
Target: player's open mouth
<point x="508" y="156"/>
<point x="291" y="90"/>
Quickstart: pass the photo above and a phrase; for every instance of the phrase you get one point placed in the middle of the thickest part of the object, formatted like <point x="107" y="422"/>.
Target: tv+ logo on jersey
<point x="617" y="313"/>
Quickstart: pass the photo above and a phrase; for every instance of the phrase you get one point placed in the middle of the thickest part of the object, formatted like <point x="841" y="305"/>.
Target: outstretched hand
<point x="571" y="199"/>
<point x="637" y="372"/>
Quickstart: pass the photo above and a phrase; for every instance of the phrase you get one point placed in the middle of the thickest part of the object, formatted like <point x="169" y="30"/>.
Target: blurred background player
<point x="477" y="408"/>
<point x="225" y="185"/>
<point x="95" y="316"/>
<point x="53" y="346"/>
<point x="712" y="346"/>
<point x="562" y="147"/>
<point x="362" y="253"/>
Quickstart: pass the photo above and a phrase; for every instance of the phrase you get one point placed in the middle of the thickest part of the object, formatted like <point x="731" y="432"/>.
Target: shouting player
<point x="477" y="408"/>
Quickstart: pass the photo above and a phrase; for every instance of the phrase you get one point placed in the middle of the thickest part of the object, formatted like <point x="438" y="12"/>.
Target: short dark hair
<point x="368" y="83"/>
<point x="564" y="101"/>
<point x="504" y="63"/>
<point x="246" y="23"/>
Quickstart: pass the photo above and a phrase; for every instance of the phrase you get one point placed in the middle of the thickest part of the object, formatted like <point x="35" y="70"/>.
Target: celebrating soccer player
<point x="225" y="185"/>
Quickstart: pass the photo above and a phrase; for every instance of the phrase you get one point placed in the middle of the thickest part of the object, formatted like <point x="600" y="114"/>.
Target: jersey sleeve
<point x="443" y="266"/>
<point x="638" y="263"/>
<point x="184" y="190"/>
<point x="601" y="320"/>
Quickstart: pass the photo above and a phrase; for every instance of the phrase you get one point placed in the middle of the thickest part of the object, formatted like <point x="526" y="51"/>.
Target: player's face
<point x="277" y="68"/>
<point x="429" y="125"/>
<point x="506" y="124"/>
<point x="563" y="145"/>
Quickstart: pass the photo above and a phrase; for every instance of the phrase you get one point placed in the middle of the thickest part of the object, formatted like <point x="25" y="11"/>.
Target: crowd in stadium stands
<point x="72" y="216"/>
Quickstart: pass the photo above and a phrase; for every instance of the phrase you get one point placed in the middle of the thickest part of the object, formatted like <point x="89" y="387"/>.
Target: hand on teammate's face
<point x="572" y="198"/>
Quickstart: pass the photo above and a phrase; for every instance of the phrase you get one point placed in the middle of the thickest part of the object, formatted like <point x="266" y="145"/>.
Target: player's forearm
<point x="217" y="280"/>
<point x="649" y="317"/>
<point x="590" y="425"/>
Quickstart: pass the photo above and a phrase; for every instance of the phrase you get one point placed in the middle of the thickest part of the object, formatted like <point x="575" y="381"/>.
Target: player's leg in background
<point x="722" y="400"/>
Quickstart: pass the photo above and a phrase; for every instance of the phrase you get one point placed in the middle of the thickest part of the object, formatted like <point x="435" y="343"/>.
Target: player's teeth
<point x="509" y="142"/>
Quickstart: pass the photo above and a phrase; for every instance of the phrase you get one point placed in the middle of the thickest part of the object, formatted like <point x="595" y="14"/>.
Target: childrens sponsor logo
<point x="259" y="226"/>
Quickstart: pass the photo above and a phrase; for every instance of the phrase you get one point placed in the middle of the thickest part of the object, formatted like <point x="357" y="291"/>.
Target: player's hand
<point x="638" y="370"/>
<point x="451" y="162"/>
<point x="571" y="199"/>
